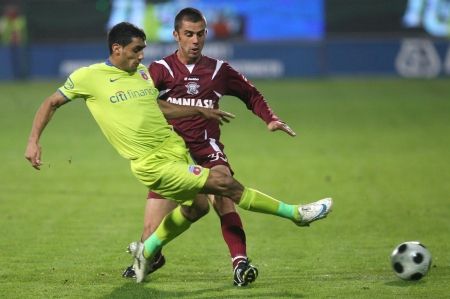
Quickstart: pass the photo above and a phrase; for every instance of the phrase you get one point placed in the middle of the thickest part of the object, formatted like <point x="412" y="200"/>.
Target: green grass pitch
<point x="379" y="147"/>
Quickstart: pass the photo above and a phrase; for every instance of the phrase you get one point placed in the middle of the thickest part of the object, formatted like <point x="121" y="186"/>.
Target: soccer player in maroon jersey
<point x="191" y="79"/>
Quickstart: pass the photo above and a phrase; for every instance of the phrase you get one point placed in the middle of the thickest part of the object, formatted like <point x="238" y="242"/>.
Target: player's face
<point x="191" y="39"/>
<point x="129" y="57"/>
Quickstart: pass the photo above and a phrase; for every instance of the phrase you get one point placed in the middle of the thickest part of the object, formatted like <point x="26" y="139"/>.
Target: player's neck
<point x="186" y="60"/>
<point x="114" y="63"/>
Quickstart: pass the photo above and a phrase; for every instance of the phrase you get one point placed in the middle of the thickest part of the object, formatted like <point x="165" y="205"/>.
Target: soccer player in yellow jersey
<point x="122" y="99"/>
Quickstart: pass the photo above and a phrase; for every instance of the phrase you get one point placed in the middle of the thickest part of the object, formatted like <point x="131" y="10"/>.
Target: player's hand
<point x="33" y="154"/>
<point x="219" y="115"/>
<point x="276" y="125"/>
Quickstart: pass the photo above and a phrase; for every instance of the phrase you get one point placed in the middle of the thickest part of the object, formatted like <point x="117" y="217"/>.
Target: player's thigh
<point x="198" y="208"/>
<point x="222" y="205"/>
<point x="170" y="171"/>
<point x="172" y="174"/>
<point x="209" y="154"/>
<point x="201" y="202"/>
<point x="223" y="184"/>
<point x="181" y="181"/>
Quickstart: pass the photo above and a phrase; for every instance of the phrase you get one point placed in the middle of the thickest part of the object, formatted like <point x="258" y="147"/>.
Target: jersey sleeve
<point x="237" y="85"/>
<point x="158" y="73"/>
<point x="74" y="87"/>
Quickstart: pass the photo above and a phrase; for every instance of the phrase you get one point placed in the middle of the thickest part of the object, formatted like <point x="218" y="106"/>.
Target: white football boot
<point x="314" y="211"/>
<point x="140" y="265"/>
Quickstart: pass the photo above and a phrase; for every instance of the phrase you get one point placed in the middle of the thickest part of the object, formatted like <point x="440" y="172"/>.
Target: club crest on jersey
<point x="195" y="169"/>
<point x="192" y="88"/>
<point x="144" y="75"/>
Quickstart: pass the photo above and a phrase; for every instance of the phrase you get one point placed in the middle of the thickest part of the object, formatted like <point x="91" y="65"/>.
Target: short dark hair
<point x="189" y="14"/>
<point x="122" y="34"/>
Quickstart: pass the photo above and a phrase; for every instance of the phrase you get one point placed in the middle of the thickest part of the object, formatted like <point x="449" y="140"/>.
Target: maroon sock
<point x="234" y="235"/>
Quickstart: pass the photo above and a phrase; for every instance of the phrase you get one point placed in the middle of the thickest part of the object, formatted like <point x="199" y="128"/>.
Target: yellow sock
<point x="253" y="200"/>
<point x="172" y="226"/>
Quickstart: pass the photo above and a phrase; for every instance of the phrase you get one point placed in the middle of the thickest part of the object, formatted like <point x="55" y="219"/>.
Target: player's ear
<point x="116" y="48"/>
<point x="175" y="35"/>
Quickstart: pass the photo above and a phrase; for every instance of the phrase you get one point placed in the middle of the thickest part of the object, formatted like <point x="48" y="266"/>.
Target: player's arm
<point x="157" y="73"/>
<point x="237" y="85"/>
<point x="41" y="119"/>
<point x="176" y="111"/>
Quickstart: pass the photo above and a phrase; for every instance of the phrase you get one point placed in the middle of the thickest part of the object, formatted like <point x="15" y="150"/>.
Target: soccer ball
<point x="411" y="260"/>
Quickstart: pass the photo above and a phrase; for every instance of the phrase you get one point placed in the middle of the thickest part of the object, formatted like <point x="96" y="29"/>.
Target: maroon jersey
<point x="203" y="86"/>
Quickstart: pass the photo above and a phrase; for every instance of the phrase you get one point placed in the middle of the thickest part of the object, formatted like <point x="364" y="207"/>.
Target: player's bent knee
<point x="223" y="205"/>
<point x="202" y="210"/>
<point x="220" y="180"/>
<point x="220" y="183"/>
<point x="198" y="209"/>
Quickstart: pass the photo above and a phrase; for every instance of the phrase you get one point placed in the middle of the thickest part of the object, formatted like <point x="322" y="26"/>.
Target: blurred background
<point x="332" y="69"/>
<point x="262" y="39"/>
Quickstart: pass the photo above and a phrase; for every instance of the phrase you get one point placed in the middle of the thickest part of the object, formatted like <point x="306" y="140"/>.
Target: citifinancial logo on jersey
<point x="122" y="96"/>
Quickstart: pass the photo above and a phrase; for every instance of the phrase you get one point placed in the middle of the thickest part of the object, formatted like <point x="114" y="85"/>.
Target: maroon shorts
<point x="208" y="154"/>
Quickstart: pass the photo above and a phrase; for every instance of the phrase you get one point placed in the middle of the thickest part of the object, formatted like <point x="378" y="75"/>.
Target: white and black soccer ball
<point x="411" y="260"/>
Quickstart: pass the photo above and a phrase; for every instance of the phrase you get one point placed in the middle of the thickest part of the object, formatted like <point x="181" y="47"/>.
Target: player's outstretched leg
<point x="219" y="183"/>
<point x="302" y="215"/>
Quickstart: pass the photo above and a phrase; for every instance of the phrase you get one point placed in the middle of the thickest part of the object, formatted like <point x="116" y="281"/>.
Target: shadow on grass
<point x="404" y="283"/>
<point x="134" y="290"/>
